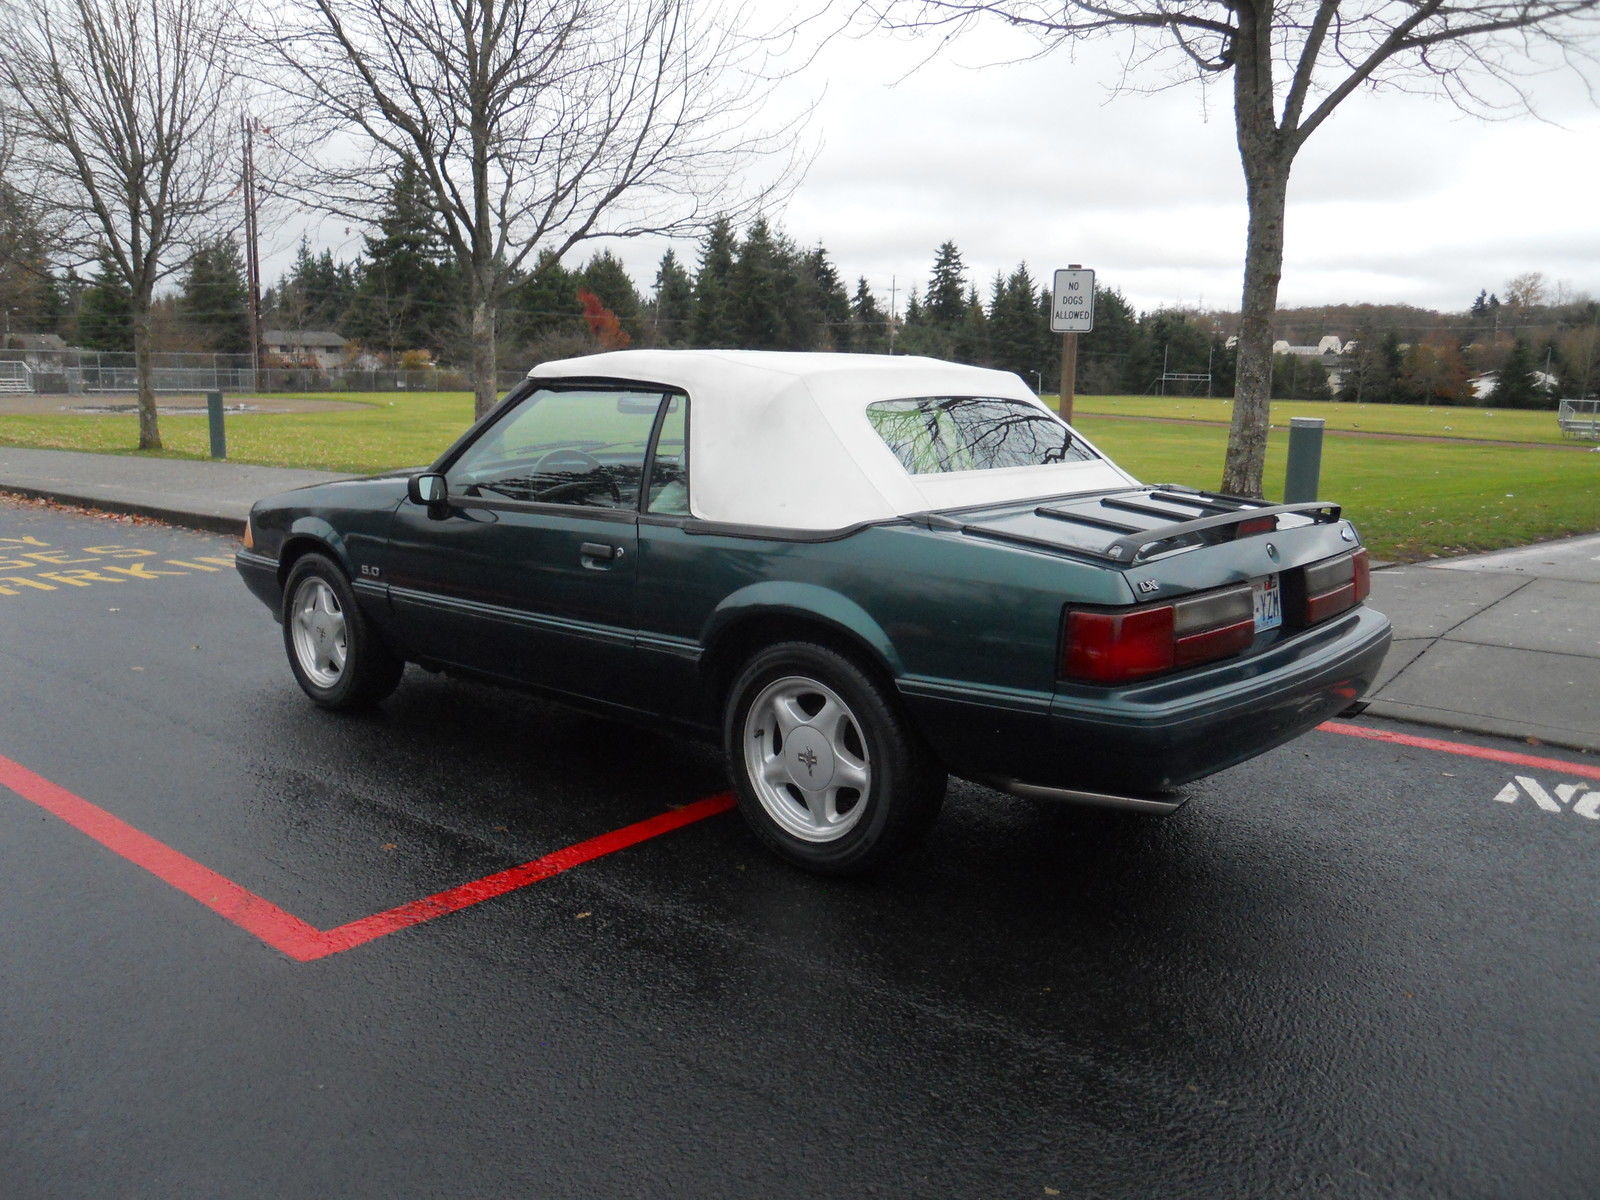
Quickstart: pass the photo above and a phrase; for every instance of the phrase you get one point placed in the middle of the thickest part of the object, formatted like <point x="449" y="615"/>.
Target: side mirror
<point x="429" y="489"/>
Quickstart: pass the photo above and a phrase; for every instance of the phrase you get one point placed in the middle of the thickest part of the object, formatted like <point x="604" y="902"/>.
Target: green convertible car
<point x="861" y="573"/>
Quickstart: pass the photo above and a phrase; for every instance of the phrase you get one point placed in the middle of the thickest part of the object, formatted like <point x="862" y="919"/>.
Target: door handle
<point x="599" y="550"/>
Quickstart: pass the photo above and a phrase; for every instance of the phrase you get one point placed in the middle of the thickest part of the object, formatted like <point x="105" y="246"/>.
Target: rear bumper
<point x="1147" y="739"/>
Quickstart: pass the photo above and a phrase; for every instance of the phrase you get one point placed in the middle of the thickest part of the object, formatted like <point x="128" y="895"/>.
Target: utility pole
<point x="894" y="282"/>
<point x="252" y="248"/>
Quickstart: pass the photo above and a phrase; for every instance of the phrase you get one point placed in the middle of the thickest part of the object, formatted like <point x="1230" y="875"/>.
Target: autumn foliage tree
<point x="602" y="322"/>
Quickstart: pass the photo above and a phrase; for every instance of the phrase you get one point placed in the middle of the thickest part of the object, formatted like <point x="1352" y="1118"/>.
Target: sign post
<point x="1071" y="313"/>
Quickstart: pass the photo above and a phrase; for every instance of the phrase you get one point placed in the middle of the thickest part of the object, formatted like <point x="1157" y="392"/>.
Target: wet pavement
<point x="1353" y="966"/>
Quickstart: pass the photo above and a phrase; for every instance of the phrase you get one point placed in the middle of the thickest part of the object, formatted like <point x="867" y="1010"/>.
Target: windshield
<point x="939" y="434"/>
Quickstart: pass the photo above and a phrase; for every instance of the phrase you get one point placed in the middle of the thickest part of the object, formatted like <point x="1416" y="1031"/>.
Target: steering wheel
<point x="579" y="460"/>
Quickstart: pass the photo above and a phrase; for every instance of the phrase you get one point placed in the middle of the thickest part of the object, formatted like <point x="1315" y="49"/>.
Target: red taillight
<point x="1120" y="647"/>
<point x="1215" y="643"/>
<point x="1336" y="585"/>
<point x="1255" y="525"/>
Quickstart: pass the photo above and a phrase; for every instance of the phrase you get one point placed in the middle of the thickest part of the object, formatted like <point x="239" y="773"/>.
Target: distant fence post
<point x="1304" y="474"/>
<point x="219" y="440"/>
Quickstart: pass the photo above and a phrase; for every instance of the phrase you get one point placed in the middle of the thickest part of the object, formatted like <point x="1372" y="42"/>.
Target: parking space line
<point x="284" y="931"/>
<point x="1512" y="757"/>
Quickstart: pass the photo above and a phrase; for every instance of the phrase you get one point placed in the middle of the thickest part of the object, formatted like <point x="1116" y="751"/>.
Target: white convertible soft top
<point x="783" y="440"/>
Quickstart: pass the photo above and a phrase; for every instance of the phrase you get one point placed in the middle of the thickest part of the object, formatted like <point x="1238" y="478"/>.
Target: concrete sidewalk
<point x="215" y="496"/>
<point x="1505" y="644"/>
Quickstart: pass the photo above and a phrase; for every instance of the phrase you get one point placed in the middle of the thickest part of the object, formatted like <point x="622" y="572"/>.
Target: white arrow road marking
<point x="1570" y="797"/>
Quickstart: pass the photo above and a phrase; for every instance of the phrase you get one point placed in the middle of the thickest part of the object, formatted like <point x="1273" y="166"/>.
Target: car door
<point x="527" y="569"/>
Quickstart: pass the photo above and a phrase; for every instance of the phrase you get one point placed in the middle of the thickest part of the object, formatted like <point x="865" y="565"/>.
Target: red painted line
<point x="467" y="894"/>
<point x="1510" y="757"/>
<point x="284" y="931"/>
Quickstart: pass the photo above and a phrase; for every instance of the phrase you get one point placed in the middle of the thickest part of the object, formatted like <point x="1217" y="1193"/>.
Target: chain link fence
<point x="91" y="372"/>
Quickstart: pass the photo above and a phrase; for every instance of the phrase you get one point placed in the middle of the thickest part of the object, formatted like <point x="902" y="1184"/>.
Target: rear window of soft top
<point x="933" y="435"/>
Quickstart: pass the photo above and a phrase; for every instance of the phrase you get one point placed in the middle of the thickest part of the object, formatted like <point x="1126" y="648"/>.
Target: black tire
<point x="835" y="828"/>
<point x="338" y="659"/>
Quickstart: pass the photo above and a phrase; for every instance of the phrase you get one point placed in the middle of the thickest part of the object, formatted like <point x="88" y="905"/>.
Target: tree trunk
<point x="149" y="432"/>
<point x="1267" y="188"/>
<point x="484" y="392"/>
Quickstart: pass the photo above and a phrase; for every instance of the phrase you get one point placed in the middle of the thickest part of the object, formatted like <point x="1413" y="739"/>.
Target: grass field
<point x="1411" y="499"/>
<point x="1419" y="421"/>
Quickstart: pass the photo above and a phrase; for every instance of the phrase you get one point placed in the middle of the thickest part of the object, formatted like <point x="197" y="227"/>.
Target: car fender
<point x="807" y="601"/>
<point x="318" y="530"/>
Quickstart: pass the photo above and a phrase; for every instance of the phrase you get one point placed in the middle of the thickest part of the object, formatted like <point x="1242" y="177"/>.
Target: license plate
<point x="1268" y="603"/>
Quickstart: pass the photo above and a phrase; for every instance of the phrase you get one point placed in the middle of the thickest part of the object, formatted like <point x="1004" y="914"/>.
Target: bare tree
<point x="533" y="124"/>
<point x="126" y="116"/>
<point x="1292" y="62"/>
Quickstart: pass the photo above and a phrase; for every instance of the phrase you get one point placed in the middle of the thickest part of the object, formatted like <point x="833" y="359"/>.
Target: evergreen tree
<point x="1515" y="384"/>
<point x="673" y="308"/>
<point x="830" y="304"/>
<point x="1105" y="352"/>
<point x="546" y="302"/>
<point x="1295" y="377"/>
<point x="946" y="300"/>
<point x="1480" y="306"/>
<point x="970" y="343"/>
<point x="408" y="291"/>
<point x="869" y="324"/>
<point x="214" y="300"/>
<point x="756" y="296"/>
<point x="1015" y="343"/>
<point x="713" y="313"/>
<point x="1225" y="362"/>
<point x="315" y="294"/>
<point x="105" y="311"/>
<point x="1171" y="343"/>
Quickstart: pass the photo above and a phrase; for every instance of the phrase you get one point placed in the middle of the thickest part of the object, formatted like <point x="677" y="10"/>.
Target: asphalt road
<point x="1350" y="968"/>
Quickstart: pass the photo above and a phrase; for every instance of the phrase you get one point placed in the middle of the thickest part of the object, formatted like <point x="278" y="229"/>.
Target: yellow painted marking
<point x="115" y="551"/>
<point x="140" y="571"/>
<point x="55" y="557"/>
<point x="33" y="560"/>
<point x="80" y="578"/>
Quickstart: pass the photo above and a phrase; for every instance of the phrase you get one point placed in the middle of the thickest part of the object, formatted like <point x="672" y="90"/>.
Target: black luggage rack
<point x="1220" y="513"/>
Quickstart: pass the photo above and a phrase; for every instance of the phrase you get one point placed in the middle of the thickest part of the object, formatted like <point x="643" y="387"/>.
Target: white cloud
<point x="1398" y="198"/>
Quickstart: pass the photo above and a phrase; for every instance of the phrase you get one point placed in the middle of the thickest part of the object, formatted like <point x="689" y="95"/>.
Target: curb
<point x="205" y="522"/>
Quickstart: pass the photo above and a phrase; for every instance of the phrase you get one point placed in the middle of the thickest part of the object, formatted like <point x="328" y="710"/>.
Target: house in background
<point x="321" y="348"/>
<point x="1483" y="385"/>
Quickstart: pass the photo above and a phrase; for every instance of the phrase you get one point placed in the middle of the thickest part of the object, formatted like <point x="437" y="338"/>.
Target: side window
<point x="563" y="446"/>
<point x="669" y="479"/>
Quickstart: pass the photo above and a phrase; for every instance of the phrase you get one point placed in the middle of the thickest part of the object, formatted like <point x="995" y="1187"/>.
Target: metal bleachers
<point x="1580" y="418"/>
<point x="15" y="377"/>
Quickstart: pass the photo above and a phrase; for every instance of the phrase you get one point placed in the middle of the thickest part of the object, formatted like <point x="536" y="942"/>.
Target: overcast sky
<point x="1397" y="199"/>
